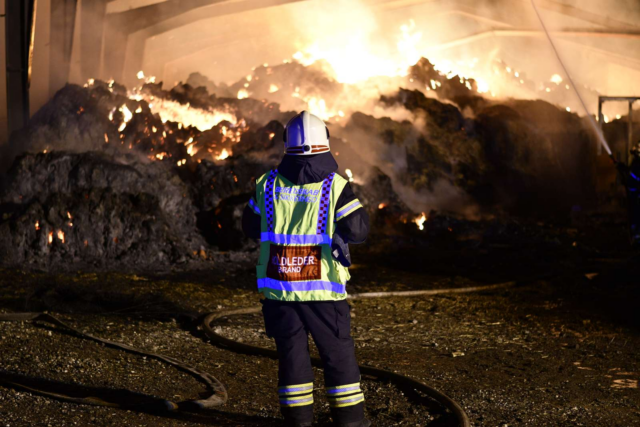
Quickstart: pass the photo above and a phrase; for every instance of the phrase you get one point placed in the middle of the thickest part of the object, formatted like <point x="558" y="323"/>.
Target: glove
<point x="340" y="250"/>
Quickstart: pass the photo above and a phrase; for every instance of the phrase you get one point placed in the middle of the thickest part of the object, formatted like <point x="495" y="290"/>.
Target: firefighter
<point x="305" y="215"/>
<point x="630" y="176"/>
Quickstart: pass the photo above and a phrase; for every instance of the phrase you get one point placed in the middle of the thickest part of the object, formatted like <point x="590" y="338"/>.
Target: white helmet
<point x="306" y="134"/>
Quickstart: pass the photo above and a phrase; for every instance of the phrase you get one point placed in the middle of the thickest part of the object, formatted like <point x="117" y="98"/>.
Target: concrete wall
<point x="39" y="90"/>
<point x="3" y="78"/>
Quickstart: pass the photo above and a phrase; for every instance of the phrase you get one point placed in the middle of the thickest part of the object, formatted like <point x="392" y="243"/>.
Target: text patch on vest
<point x="292" y="263"/>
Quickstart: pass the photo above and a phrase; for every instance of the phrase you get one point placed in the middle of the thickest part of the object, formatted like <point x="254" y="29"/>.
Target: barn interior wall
<point x="3" y="77"/>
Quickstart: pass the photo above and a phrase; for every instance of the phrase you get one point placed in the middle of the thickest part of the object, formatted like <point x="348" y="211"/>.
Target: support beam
<point x="20" y="22"/>
<point x="120" y="25"/>
<point x="63" y="16"/>
<point x="93" y="14"/>
<point x="600" y="19"/>
<point x="536" y="33"/>
<point x="174" y="14"/>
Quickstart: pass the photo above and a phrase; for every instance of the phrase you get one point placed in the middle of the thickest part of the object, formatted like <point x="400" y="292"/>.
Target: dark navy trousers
<point x="329" y="323"/>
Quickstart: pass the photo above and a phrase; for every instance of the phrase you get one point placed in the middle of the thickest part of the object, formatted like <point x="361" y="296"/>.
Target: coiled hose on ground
<point x="218" y="394"/>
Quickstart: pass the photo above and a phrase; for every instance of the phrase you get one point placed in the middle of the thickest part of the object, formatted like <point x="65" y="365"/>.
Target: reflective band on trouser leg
<point x="345" y="395"/>
<point x="268" y="200"/>
<point x="296" y="395"/>
<point x="324" y="203"/>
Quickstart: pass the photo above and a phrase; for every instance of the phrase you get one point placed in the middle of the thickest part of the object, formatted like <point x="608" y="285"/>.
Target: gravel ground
<point x="554" y="352"/>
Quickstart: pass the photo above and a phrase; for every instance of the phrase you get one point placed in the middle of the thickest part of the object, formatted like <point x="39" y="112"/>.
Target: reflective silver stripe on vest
<point x="296" y="239"/>
<point x="302" y="286"/>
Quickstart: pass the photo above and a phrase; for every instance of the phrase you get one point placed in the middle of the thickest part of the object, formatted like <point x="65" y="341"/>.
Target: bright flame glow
<point x="352" y="55"/>
<point x="60" y="235"/>
<point x="556" y="78"/>
<point x="318" y="107"/>
<point x="127" y="116"/>
<point x="349" y="174"/>
<point x="420" y="221"/>
<point x="223" y="154"/>
<point x="242" y="94"/>
<point x="189" y="116"/>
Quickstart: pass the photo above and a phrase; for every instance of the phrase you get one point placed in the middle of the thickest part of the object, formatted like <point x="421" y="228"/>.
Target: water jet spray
<point x="592" y="121"/>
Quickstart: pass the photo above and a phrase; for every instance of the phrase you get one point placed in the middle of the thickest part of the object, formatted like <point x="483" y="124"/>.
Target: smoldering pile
<point x="105" y="178"/>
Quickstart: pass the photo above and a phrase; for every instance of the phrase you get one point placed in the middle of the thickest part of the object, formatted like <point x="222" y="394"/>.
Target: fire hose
<point x="217" y="392"/>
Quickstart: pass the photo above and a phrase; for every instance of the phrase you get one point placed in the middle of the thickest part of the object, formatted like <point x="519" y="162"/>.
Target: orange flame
<point x="419" y="221"/>
<point x="223" y="154"/>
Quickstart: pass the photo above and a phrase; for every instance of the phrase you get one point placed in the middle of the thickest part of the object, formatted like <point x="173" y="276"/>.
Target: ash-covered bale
<point x="529" y="158"/>
<point x="210" y="183"/>
<point x="222" y="225"/>
<point x="386" y="210"/>
<point x="266" y="142"/>
<point x="61" y="209"/>
<point x="540" y="157"/>
<point x="438" y="145"/>
<point x="219" y="193"/>
<point x="76" y="119"/>
<point x="220" y="90"/>
<point x="101" y="229"/>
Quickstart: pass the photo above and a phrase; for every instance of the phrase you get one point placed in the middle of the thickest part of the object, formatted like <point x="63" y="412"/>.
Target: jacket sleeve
<point x="352" y="220"/>
<point x="251" y="219"/>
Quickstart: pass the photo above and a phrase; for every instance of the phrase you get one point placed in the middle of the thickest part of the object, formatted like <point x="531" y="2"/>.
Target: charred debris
<point x="101" y="179"/>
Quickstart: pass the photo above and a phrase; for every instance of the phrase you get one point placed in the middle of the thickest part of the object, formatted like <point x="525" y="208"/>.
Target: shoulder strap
<point x="325" y="201"/>
<point x="268" y="198"/>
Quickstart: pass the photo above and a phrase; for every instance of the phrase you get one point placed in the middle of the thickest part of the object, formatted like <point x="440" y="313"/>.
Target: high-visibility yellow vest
<point x="298" y="222"/>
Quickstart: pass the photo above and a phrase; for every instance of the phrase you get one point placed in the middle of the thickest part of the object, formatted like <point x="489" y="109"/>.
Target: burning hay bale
<point x="155" y="177"/>
<point x="460" y="90"/>
<point x="290" y="84"/>
<point x="506" y="150"/>
<point x="199" y="80"/>
<point x="94" y="210"/>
